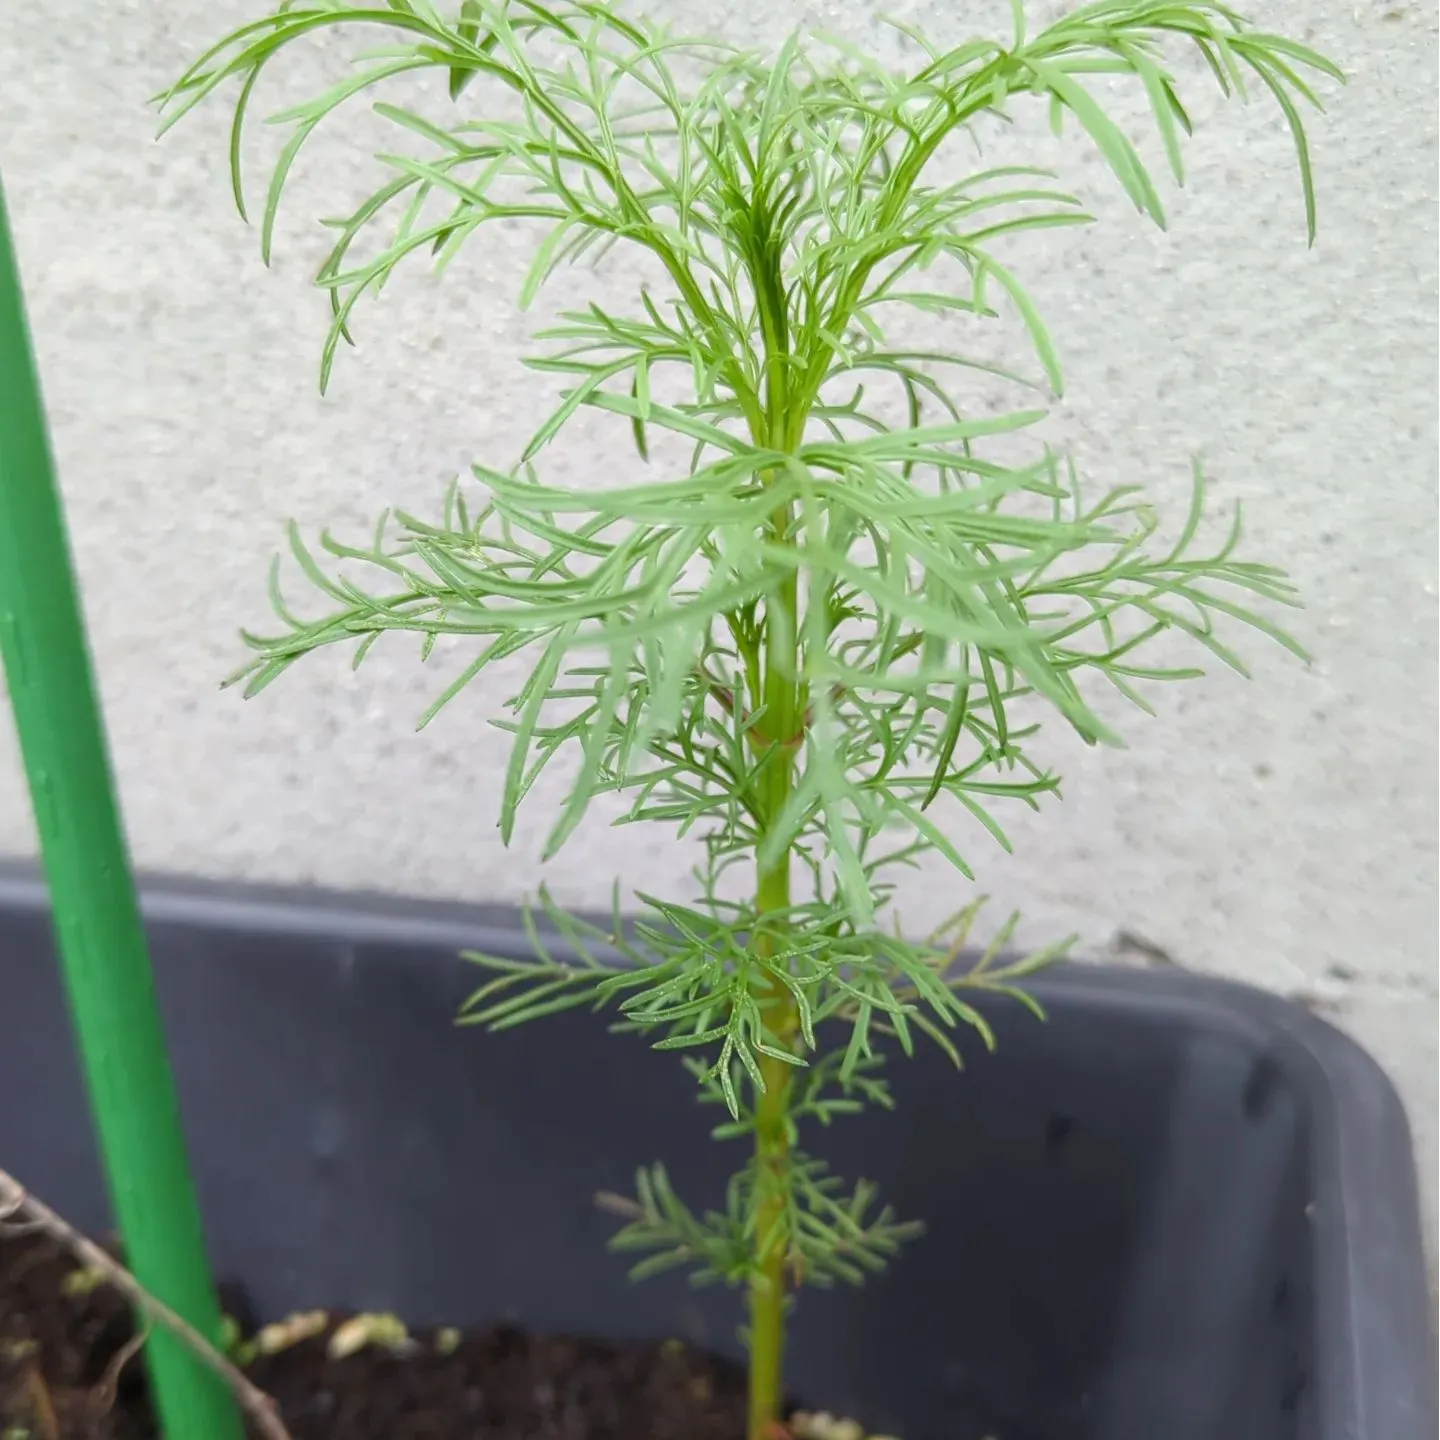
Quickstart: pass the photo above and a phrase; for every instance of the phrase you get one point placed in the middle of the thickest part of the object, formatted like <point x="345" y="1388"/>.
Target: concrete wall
<point x="1282" y="830"/>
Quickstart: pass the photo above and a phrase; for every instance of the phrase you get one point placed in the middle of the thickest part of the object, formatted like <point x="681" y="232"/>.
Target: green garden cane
<point x="97" y="919"/>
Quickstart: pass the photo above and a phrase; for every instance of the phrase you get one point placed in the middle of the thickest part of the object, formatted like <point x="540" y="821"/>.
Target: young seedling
<point x="831" y="631"/>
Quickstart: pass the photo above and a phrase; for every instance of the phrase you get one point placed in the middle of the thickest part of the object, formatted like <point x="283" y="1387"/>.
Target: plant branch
<point x="16" y="1200"/>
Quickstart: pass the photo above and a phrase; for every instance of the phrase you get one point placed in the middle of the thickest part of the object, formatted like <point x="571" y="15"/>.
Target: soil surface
<point x="66" y="1374"/>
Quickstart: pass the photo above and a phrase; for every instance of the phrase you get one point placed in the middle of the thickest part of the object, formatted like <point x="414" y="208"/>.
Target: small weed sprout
<point x="831" y="631"/>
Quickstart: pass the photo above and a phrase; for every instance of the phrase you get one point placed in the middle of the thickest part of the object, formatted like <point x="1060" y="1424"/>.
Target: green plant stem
<point x="768" y="1287"/>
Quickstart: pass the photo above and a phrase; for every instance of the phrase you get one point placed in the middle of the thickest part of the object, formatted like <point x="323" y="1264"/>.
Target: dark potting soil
<point x="65" y="1375"/>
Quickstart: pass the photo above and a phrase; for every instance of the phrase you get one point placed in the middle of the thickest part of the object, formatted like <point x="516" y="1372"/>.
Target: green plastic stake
<point x="97" y="919"/>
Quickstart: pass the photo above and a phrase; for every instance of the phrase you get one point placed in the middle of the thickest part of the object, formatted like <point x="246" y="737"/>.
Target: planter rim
<point x="366" y="917"/>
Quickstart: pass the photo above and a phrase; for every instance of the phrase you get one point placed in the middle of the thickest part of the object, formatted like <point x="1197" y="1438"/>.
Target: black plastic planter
<point x="1181" y="1210"/>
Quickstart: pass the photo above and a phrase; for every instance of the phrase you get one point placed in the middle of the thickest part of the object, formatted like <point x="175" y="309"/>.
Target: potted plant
<point x="820" y="608"/>
<point x="833" y="615"/>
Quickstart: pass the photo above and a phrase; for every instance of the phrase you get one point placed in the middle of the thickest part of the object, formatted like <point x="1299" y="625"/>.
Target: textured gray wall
<point x="1282" y="830"/>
